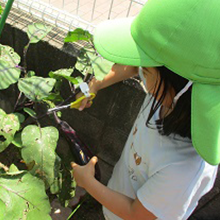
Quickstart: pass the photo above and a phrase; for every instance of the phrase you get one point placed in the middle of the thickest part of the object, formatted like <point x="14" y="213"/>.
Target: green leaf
<point x="78" y="34"/>
<point x="54" y="97"/>
<point x="30" y="73"/>
<point x="17" y="140"/>
<point x="52" y="105"/>
<point x="8" y="54"/>
<point x="63" y="73"/>
<point x="2" y="208"/>
<point x="39" y="145"/>
<point x="9" y="124"/>
<point x="83" y="66"/>
<point x="56" y="184"/>
<point x="23" y="197"/>
<point x="67" y="190"/>
<point x="30" y="111"/>
<point x="13" y="169"/>
<point x="79" y="79"/>
<point x="37" y="32"/>
<point x="36" y="88"/>
<point x="8" y="74"/>
<point x="1" y="10"/>
<point x="100" y="65"/>
<point x="55" y="187"/>
<point x="21" y="117"/>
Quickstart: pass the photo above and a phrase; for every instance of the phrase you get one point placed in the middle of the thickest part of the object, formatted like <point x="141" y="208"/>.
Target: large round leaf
<point x="9" y="74"/>
<point x="100" y="65"/>
<point x="9" y="124"/>
<point x="2" y="208"/>
<point x="83" y="66"/>
<point x="39" y="145"/>
<point x="23" y="197"/>
<point x="8" y="54"/>
<point x="37" y="32"/>
<point x="36" y="88"/>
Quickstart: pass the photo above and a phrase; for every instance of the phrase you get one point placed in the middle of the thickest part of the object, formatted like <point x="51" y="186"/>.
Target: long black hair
<point x="178" y="121"/>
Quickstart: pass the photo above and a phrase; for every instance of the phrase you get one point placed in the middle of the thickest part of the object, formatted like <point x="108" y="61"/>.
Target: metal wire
<point x="69" y="18"/>
<point x="52" y="15"/>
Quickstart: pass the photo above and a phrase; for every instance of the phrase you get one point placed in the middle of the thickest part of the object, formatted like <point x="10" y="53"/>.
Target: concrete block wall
<point x="105" y="126"/>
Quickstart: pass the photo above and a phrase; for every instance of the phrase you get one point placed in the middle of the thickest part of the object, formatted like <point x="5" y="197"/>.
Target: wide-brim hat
<point x="184" y="36"/>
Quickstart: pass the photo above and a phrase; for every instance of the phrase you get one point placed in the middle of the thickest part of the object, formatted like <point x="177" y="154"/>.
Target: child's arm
<point x="116" y="74"/>
<point x="121" y="205"/>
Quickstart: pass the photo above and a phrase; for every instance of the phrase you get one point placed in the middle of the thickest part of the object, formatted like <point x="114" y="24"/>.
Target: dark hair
<point x="179" y="120"/>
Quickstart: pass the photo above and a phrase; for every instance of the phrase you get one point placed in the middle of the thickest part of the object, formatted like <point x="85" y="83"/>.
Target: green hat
<point x="184" y="36"/>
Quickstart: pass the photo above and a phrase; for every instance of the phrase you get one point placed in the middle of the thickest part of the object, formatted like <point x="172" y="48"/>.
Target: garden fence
<point x="86" y="14"/>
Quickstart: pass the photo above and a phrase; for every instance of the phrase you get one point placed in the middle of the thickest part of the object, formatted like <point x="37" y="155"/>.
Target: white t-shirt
<point x="164" y="173"/>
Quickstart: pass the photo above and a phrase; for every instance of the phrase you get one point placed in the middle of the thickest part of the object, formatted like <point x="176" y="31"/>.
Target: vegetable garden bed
<point x="104" y="127"/>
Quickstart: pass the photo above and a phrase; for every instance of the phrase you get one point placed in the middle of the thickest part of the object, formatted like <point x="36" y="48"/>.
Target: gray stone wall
<point x="105" y="126"/>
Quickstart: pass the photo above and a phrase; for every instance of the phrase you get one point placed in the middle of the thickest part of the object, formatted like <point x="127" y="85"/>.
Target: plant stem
<point x="18" y="99"/>
<point x="77" y="207"/>
<point x="62" y="103"/>
<point x="5" y="168"/>
<point x="5" y="14"/>
<point x="20" y="67"/>
<point x="72" y="87"/>
<point x="25" y="57"/>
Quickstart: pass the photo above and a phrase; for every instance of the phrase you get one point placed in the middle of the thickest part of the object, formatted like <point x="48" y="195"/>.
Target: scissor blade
<point x="58" y="108"/>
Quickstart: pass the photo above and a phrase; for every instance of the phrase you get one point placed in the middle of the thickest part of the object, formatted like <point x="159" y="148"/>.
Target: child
<point x="169" y="160"/>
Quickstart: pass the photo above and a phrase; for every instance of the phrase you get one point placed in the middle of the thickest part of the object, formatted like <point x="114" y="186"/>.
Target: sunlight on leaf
<point x="64" y="73"/>
<point x="37" y="32"/>
<point x="83" y="66"/>
<point x="30" y="111"/>
<point x="39" y="145"/>
<point x="36" y="88"/>
<point x="79" y="79"/>
<point x="8" y="54"/>
<point x="78" y="34"/>
<point x="1" y="9"/>
<point x="100" y="65"/>
<point x="9" y="124"/>
<point x="9" y="74"/>
<point x="13" y="169"/>
<point x="23" y="197"/>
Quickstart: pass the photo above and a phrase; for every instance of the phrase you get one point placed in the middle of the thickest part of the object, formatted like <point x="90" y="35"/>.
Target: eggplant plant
<point x="1" y="10"/>
<point x="26" y="188"/>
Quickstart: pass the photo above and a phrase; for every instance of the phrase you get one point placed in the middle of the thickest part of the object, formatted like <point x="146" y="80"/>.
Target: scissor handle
<point x="76" y="104"/>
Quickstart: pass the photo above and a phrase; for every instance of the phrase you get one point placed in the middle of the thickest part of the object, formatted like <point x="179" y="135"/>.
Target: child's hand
<point x="83" y="174"/>
<point x="85" y="103"/>
<point x="93" y="88"/>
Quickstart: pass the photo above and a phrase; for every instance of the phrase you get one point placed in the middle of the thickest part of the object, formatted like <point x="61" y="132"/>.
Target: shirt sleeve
<point x="173" y="192"/>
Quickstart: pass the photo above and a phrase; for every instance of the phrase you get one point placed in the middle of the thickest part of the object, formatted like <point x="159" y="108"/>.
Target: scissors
<point x="76" y="104"/>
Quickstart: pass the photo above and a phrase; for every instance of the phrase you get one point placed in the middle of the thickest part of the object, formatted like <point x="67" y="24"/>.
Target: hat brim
<point x="113" y="41"/>
<point x="206" y="121"/>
